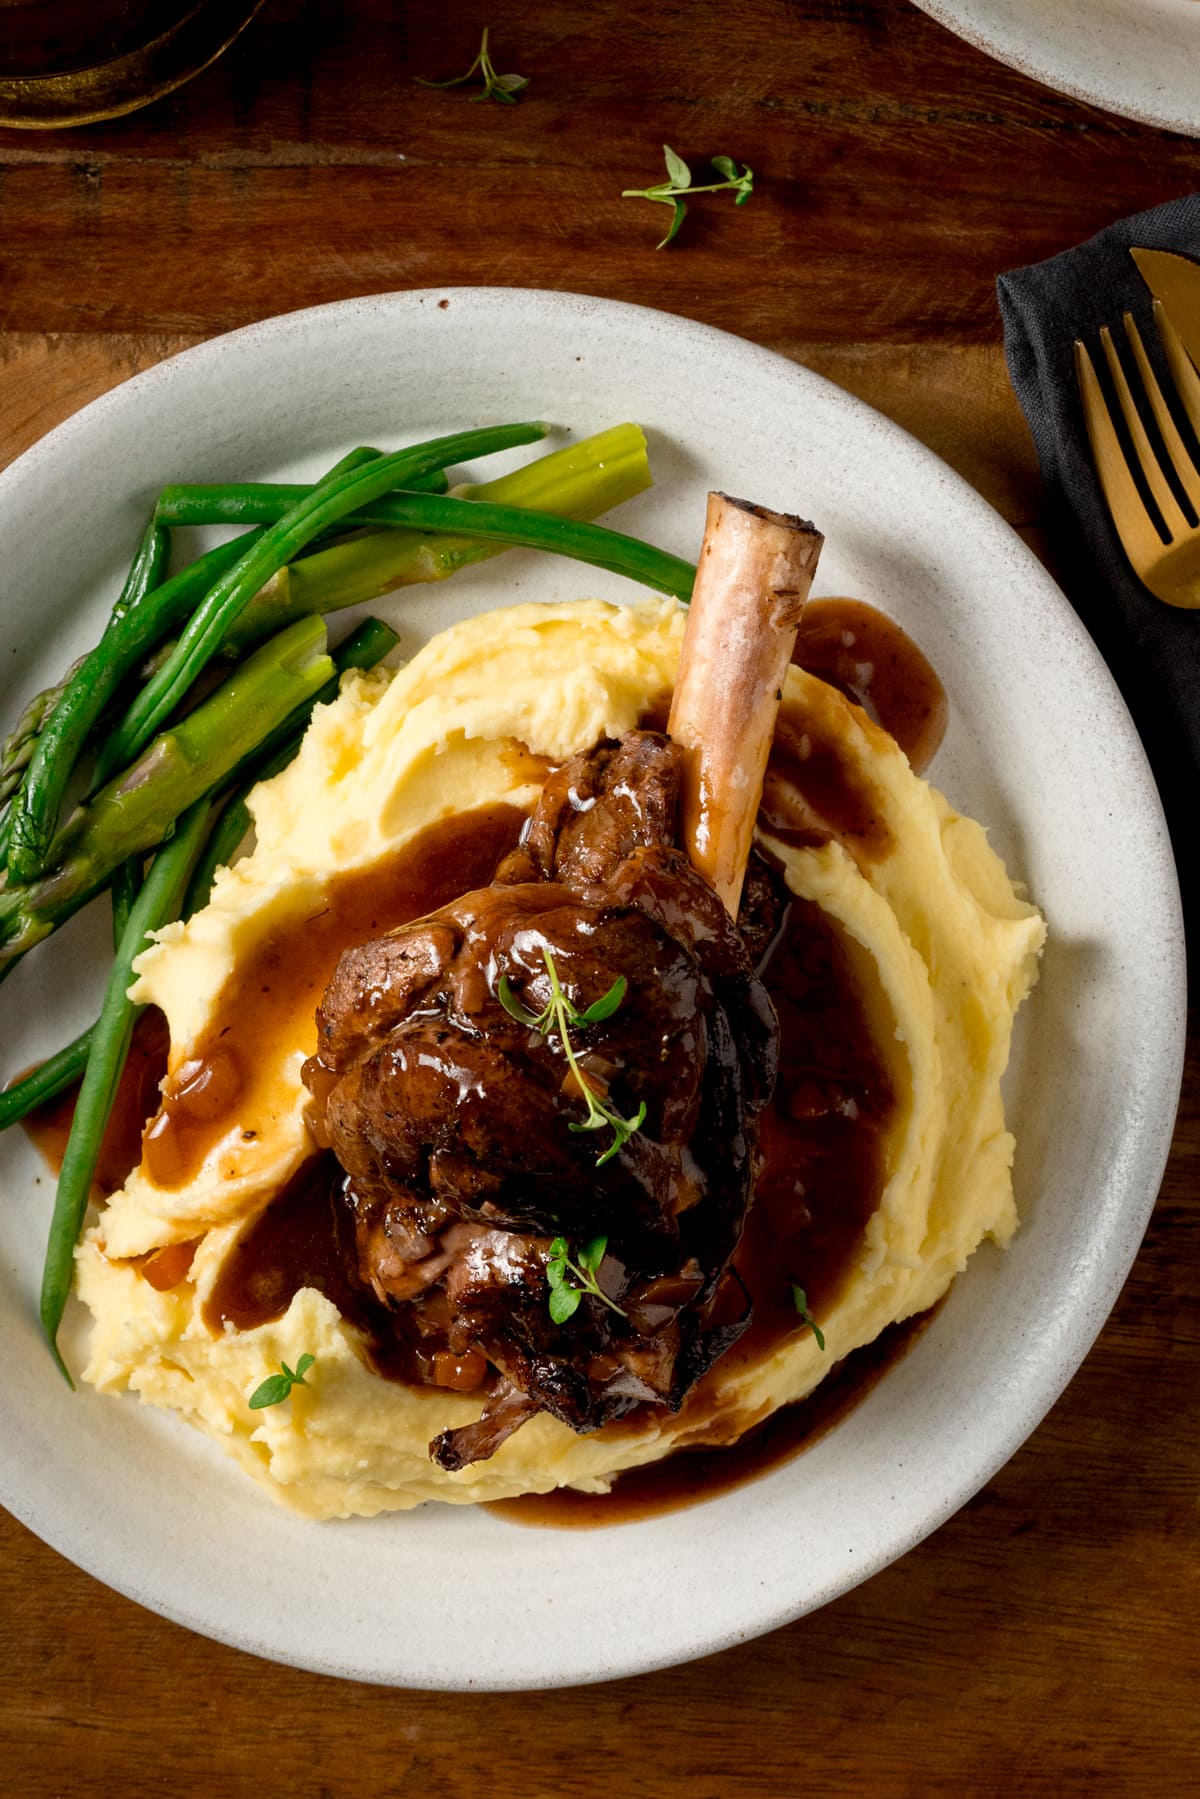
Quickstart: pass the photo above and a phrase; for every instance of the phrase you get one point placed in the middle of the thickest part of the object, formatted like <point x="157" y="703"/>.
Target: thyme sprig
<point x="800" y="1301"/>
<point x="558" y="1014"/>
<point x="275" y="1389"/>
<point x="679" y="182"/>
<point x="503" y="88"/>
<point x="565" y="1294"/>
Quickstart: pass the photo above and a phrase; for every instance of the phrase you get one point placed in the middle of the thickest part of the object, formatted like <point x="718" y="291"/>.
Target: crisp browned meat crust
<point x="457" y="1124"/>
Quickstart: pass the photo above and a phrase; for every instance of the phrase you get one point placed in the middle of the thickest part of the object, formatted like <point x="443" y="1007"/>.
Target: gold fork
<point x="1170" y="568"/>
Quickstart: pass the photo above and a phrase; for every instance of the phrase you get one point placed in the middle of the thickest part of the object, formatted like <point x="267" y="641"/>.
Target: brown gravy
<point x="292" y="1244"/>
<point x="821" y="1136"/>
<point x="690" y="1476"/>
<point x="279" y="987"/>
<point x="810" y="788"/>
<point x="811" y="792"/>
<point x="866" y="655"/>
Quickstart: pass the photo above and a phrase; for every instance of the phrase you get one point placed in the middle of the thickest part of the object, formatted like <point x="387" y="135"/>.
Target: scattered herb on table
<point x="275" y="1389"/>
<point x="565" y="1294"/>
<point x="557" y="1015"/>
<point x="800" y="1301"/>
<point x="503" y="88"/>
<point x="679" y="182"/>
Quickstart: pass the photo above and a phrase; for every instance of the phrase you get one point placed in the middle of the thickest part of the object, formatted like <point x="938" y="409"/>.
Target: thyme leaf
<point x="565" y="1294"/>
<point x="800" y="1301"/>
<point x="275" y="1389"/>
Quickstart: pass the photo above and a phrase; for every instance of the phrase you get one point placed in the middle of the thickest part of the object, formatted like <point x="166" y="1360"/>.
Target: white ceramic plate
<point x="1040" y="747"/>
<point x="1139" y="58"/>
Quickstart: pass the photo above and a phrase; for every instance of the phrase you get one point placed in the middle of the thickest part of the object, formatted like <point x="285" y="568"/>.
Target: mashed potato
<point x="945" y="951"/>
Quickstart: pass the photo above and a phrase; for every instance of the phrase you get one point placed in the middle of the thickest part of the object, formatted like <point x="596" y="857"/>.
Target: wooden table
<point x="1044" y="1640"/>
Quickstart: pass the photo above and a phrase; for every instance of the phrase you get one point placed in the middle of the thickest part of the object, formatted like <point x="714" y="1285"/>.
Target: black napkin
<point x="1153" y="650"/>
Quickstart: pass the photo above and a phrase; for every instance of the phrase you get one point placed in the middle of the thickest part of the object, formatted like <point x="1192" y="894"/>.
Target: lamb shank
<point x="545" y="1095"/>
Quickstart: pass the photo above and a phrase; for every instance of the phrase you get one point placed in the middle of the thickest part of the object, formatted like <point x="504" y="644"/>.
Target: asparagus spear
<point x="138" y="809"/>
<point x="92" y="685"/>
<point x="18" y="747"/>
<point x="35" y="811"/>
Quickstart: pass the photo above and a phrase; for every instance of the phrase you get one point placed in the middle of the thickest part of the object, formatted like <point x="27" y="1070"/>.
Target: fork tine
<point x="1183" y="370"/>
<point x="1181" y="461"/>
<point x="1125" y="504"/>
<point x="1164" y="499"/>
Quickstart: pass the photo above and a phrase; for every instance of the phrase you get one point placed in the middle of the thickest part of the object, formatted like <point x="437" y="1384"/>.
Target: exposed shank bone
<point x="755" y="571"/>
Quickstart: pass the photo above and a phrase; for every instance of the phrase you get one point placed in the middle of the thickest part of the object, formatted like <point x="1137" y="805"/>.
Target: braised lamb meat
<point x="458" y="1124"/>
<point x="545" y="1096"/>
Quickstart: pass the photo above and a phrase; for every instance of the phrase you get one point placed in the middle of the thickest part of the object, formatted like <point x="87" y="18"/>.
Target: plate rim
<point x="1007" y="1442"/>
<point x="1013" y="49"/>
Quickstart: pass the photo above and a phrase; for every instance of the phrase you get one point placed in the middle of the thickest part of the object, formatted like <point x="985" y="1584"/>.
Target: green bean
<point x="46" y="1082"/>
<point x="351" y="460"/>
<point x="146" y="573"/>
<point x="324" y="506"/>
<point x="156" y="905"/>
<point x="483" y="521"/>
<point x="124" y="891"/>
<point x="264" y="502"/>
<point x="148" y="568"/>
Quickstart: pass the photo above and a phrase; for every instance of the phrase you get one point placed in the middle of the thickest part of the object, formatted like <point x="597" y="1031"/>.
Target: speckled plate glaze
<point x="1040" y="747"/>
<point x="1139" y="58"/>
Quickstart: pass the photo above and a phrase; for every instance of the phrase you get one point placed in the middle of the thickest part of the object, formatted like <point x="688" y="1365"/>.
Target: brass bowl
<point x="70" y="62"/>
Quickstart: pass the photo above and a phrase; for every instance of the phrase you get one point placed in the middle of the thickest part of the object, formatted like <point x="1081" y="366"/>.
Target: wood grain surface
<point x="1043" y="1642"/>
<point x="899" y="171"/>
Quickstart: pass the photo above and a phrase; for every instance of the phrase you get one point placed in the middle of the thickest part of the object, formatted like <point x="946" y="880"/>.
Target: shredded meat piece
<point x="458" y="1125"/>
